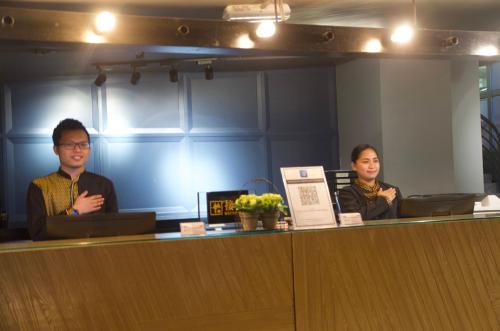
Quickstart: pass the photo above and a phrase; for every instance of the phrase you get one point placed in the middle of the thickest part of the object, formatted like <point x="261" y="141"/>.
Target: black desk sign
<point x="220" y="206"/>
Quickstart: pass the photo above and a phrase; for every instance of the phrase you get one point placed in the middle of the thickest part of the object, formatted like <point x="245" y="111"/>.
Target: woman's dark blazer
<point x="352" y="200"/>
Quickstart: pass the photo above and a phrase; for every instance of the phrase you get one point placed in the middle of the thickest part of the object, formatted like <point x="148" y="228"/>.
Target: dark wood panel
<point x="229" y="283"/>
<point x="435" y="276"/>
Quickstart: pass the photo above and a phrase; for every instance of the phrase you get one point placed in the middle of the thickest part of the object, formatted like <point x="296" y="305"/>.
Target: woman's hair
<point x="356" y="152"/>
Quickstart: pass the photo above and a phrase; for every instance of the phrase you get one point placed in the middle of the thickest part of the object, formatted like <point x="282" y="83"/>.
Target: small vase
<point x="269" y="219"/>
<point x="249" y="221"/>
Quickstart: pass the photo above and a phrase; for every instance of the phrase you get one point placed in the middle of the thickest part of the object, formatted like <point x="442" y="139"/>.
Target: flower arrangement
<point x="267" y="202"/>
<point x="273" y="202"/>
<point x="249" y="203"/>
<point x="266" y="207"/>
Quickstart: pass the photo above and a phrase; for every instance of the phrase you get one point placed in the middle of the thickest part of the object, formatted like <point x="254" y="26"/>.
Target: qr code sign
<point x="308" y="195"/>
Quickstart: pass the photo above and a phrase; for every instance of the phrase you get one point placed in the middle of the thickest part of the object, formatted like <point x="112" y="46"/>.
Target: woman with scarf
<point x="368" y="196"/>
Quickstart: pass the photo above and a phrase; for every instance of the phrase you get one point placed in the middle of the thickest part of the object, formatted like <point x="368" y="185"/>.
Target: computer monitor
<point x="100" y="225"/>
<point x="437" y="205"/>
<point x="337" y="179"/>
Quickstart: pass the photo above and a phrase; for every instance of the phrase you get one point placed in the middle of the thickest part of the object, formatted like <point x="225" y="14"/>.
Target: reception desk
<point x="438" y="274"/>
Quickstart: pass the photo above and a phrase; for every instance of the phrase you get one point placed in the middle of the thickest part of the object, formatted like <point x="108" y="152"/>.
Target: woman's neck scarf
<point x="370" y="192"/>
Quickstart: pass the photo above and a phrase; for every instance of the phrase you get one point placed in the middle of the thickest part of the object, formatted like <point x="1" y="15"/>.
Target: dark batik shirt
<point x="55" y="194"/>
<point x="353" y="199"/>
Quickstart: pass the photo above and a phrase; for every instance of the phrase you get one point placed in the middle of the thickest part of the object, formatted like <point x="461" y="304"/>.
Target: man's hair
<point x="67" y="124"/>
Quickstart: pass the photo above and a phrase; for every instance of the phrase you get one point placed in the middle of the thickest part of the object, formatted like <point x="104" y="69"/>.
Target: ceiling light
<point x="209" y="72"/>
<point x="244" y="41"/>
<point x="402" y="34"/>
<point x="101" y="77"/>
<point x="92" y="38"/>
<point x="488" y="50"/>
<point x="256" y="12"/>
<point x="105" y="22"/>
<point x="173" y="75"/>
<point x="266" y="29"/>
<point x="373" y="46"/>
<point x="136" y="76"/>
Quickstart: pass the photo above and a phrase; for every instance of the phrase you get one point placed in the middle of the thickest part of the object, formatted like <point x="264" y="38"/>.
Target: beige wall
<point x="358" y="105"/>
<point x="416" y="125"/>
<point x="410" y="109"/>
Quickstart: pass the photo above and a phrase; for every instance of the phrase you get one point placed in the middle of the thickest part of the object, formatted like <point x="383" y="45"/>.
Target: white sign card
<point x="308" y="197"/>
<point x="350" y="219"/>
<point x="193" y="229"/>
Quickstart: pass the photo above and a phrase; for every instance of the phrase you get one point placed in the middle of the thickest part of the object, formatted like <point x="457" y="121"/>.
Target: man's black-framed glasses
<point x="70" y="146"/>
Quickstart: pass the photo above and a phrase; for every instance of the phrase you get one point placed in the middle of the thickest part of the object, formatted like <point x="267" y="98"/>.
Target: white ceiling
<point x="434" y="14"/>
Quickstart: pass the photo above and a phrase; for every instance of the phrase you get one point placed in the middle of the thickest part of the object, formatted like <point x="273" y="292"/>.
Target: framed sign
<point x="308" y="197"/>
<point x="220" y="207"/>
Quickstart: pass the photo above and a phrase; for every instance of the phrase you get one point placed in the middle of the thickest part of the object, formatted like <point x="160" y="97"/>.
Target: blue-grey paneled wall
<point x="162" y="142"/>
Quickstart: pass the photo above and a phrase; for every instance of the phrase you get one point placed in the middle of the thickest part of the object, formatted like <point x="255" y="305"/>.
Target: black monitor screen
<point x="437" y="205"/>
<point x="100" y="225"/>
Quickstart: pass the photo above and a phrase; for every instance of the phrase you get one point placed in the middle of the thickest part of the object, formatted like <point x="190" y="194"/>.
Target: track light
<point x="174" y="75"/>
<point x="209" y="72"/>
<point x="170" y="64"/>
<point x="136" y="75"/>
<point x="101" y="77"/>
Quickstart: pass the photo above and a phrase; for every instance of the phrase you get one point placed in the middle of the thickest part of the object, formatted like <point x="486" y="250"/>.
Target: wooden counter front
<point x="423" y="276"/>
<point x="442" y="274"/>
<point x="222" y="283"/>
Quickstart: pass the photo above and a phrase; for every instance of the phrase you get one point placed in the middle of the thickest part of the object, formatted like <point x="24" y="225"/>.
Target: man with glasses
<point x="71" y="190"/>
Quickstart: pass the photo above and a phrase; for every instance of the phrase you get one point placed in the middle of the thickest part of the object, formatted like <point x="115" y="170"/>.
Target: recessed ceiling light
<point x="265" y="29"/>
<point x="244" y="41"/>
<point x="402" y="34"/>
<point x="488" y="50"/>
<point x="373" y="46"/>
<point x="105" y="22"/>
<point x="92" y="38"/>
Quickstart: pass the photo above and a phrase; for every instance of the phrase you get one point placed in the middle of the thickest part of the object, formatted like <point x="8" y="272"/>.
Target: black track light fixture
<point x="174" y="75"/>
<point x="136" y="76"/>
<point x="209" y="72"/>
<point x="137" y="65"/>
<point x="101" y="77"/>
